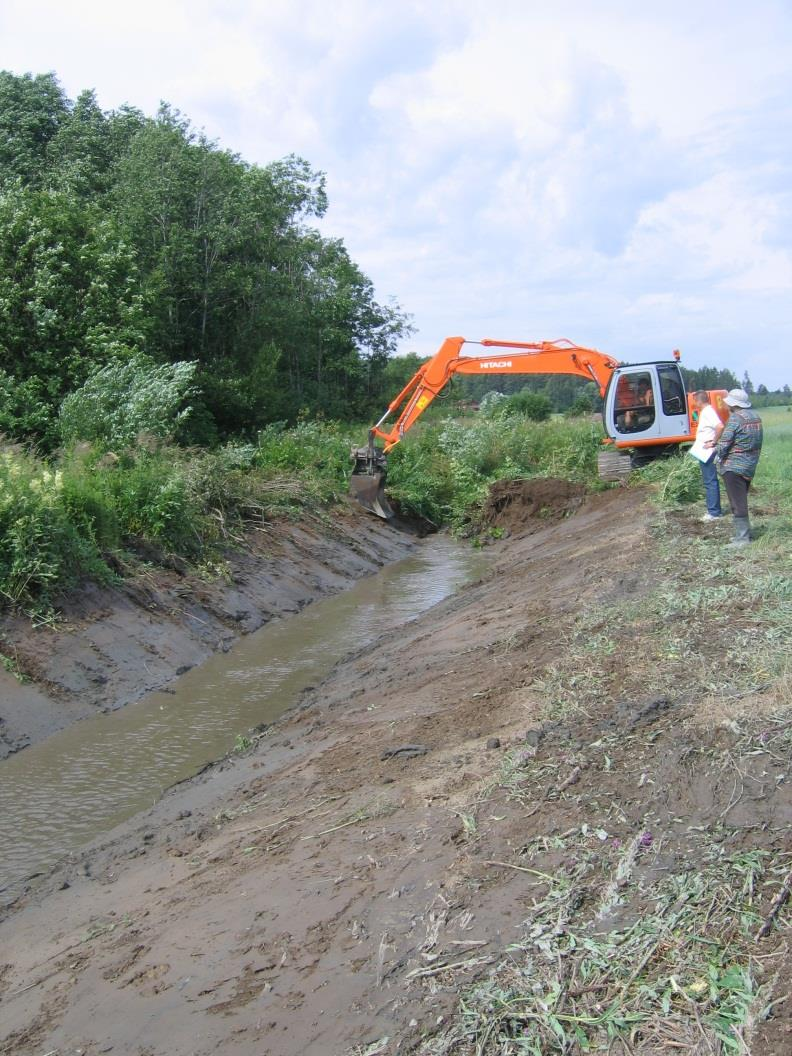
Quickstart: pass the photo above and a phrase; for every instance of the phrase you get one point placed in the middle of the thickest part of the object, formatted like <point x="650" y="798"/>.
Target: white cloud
<point x="716" y="232"/>
<point x="612" y="172"/>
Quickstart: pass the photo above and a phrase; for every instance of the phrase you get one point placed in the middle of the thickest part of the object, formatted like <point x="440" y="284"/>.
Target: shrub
<point x="126" y="399"/>
<point x="582" y="405"/>
<point x="492" y="404"/>
<point x="89" y="503"/>
<point x="315" y="452"/>
<point x="153" y="501"/>
<point x="41" y="550"/>
<point x="532" y="405"/>
<point x="24" y="413"/>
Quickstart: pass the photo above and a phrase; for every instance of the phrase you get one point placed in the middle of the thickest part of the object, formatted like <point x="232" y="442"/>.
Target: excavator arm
<point x="546" y="357"/>
<point x="519" y="357"/>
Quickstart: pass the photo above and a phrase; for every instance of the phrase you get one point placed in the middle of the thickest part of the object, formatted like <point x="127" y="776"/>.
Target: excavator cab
<point x="646" y="406"/>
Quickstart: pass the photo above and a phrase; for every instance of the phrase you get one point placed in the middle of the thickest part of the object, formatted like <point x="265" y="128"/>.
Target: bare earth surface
<point x="333" y="890"/>
<point x="112" y="646"/>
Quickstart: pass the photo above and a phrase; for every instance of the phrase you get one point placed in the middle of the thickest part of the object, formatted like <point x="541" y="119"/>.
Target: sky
<point x="612" y="172"/>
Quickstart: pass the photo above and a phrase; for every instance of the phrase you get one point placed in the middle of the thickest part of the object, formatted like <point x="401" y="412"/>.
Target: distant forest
<point x="133" y="238"/>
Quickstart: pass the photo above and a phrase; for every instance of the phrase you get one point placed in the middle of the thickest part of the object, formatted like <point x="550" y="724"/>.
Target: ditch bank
<point x="107" y="647"/>
<point x="520" y="823"/>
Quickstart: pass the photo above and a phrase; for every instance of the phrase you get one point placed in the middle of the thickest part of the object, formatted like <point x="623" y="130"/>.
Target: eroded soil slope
<point x="108" y="647"/>
<point x="432" y="818"/>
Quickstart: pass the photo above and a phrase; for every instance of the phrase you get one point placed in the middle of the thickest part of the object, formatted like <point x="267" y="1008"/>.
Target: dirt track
<point x="332" y="890"/>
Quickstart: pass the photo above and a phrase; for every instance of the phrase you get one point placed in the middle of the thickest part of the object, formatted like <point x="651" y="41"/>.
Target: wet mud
<point x="331" y="890"/>
<point x="104" y="648"/>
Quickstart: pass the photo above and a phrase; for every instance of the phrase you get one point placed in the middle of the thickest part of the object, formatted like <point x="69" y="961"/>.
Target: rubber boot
<point x="742" y="532"/>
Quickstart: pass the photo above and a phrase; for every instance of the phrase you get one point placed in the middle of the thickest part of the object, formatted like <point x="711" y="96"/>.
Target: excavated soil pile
<point x="517" y="505"/>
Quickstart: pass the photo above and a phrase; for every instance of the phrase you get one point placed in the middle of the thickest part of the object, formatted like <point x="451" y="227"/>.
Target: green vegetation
<point x="126" y="400"/>
<point x="124" y="236"/>
<point x="76" y="520"/>
<point x="560" y="391"/>
<point x="444" y="471"/>
<point x="774" y="473"/>
<point x="76" y="515"/>
<point x="73" y="516"/>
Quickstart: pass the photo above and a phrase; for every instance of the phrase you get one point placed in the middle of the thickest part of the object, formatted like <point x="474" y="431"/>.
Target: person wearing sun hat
<point x="739" y="447"/>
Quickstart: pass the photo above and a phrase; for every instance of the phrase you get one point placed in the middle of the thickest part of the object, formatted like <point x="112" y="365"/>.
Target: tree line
<point x="132" y="238"/>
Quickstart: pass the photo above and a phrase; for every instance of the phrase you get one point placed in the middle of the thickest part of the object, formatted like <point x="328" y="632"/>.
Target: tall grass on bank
<point x="41" y="547"/>
<point x="65" y="520"/>
<point x="62" y="522"/>
<point x="444" y="472"/>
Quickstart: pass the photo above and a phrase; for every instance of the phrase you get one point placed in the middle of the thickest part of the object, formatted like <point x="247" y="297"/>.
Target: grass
<point x="774" y="473"/>
<point x="680" y="973"/>
<point x="641" y="934"/>
<point x="82" y="515"/>
<point x="76" y="518"/>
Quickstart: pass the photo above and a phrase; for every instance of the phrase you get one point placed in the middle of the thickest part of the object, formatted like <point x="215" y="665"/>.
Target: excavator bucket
<point x="367" y="483"/>
<point x="369" y="490"/>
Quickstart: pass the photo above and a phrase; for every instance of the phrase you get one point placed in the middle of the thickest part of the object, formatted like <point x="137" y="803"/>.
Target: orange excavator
<point x="646" y="412"/>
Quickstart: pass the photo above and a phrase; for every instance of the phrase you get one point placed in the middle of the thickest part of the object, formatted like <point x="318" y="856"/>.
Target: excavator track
<point x="613" y="466"/>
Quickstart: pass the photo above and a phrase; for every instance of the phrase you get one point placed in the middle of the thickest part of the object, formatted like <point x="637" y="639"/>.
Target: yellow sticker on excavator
<point x="422" y="402"/>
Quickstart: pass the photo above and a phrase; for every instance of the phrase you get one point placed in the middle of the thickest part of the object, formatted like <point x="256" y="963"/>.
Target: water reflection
<point x="60" y="794"/>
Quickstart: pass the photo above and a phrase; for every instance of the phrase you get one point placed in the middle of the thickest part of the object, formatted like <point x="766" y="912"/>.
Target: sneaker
<point x="711" y="517"/>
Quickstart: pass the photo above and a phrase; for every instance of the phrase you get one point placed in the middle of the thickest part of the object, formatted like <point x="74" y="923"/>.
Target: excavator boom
<point x="367" y="483"/>
<point x="522" y="357"/>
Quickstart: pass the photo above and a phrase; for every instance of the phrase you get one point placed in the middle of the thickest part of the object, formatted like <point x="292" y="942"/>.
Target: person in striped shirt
<point x="739" y="447"/>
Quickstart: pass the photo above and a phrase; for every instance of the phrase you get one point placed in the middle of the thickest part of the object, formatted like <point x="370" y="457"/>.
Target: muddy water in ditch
<point x="58" y="795"/>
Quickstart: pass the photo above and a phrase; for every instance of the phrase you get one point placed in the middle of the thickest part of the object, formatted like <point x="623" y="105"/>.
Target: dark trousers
<point x="737" y="488"/>
<point x="709" y="475"/>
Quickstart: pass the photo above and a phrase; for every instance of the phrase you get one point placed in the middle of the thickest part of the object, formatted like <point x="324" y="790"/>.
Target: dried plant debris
<point x="630" y="961"/>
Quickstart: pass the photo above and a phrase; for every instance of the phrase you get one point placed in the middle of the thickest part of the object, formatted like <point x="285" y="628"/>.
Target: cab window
<point x="672" y="390"/>
<point x="634" y="409"/>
